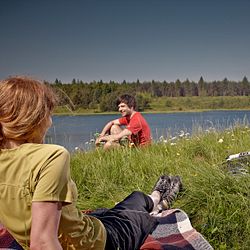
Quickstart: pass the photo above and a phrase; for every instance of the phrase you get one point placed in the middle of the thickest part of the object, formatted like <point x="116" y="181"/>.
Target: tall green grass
<point x="217" y="202"/>
<point x="199" y="103"/>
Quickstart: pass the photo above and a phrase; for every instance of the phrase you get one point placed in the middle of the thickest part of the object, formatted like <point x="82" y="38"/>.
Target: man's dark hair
<point x="127" y="99"/>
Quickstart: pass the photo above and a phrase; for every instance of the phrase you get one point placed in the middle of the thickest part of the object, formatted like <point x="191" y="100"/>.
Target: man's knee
<point x="137" y="195"/>
<point x="115" y="129"/>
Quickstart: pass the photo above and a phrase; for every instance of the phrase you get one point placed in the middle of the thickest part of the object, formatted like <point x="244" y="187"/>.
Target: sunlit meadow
<point x="216" y="198"/>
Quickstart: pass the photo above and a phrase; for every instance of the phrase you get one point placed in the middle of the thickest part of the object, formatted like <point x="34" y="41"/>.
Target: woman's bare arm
<point x="44" y="227"/>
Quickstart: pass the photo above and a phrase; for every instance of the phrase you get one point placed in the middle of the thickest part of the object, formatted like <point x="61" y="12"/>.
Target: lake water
<point x="77" y="131"/>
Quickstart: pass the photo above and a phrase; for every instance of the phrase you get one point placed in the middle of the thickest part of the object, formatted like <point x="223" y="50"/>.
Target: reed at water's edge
<point x="217" y="201"/>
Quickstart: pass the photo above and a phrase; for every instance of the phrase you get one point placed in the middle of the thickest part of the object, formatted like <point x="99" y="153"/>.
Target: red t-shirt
<point x="139" y="128"/>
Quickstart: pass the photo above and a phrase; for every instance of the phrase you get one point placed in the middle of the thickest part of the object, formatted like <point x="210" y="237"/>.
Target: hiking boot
<point x="162" y="185"/>
<point x="124" y="141"/>
<point x="171" y="193"/>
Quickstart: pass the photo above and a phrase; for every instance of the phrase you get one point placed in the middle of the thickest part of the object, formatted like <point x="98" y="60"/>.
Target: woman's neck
<point x="12" y="144"/>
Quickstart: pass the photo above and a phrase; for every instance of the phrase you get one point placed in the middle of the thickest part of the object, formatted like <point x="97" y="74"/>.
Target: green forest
<point x="99" y="96"/>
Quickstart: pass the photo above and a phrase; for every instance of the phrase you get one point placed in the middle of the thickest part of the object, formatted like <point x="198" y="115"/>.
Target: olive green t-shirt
<point x="41" y="172"/>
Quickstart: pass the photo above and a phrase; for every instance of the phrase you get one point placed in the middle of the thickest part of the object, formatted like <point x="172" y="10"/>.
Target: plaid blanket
<point x="7" y="241"/>
<point x="173" y="232"/>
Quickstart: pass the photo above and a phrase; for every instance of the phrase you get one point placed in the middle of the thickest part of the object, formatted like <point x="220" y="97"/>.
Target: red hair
<point x="24" y="104"/>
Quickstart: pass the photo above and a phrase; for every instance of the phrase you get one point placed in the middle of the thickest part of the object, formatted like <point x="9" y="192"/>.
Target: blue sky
<point x="125" y="39"/>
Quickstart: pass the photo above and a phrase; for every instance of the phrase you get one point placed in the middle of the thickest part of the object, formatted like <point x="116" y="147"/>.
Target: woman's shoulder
<point x="43" y="146"/>
<point x="47" y="149"/>
<point x="44" y="153"/>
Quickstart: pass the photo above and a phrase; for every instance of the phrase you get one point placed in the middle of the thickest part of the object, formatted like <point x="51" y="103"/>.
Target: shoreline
<point x="145" y="112"/>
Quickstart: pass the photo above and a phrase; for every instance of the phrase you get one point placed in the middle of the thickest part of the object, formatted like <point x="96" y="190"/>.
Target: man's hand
<point x="100" y="139"/>
<point x="97" y="141"/>
<point x="105" y="138"/>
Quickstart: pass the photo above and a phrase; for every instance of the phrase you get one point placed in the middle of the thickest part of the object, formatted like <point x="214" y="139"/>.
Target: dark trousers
<point x="128" y="223"/>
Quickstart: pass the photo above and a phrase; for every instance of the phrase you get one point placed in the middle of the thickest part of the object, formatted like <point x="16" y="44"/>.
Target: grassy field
<point x="175" y="104"/>
<point x="217" y="201"/>
<point x="199" y="103"/>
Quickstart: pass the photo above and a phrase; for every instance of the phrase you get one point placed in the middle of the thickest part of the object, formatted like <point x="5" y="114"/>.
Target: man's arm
<point x="108" y="126"/>
<point x="116" y="137"/>
<point x="105" y="130"/>
<point x="44" y="227"/>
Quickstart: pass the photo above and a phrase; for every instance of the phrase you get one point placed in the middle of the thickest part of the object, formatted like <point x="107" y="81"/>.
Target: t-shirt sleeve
<point x="123" y="121"/>
<point x="53" y="181"/>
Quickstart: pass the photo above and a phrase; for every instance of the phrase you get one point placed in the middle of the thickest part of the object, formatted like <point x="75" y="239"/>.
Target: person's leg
<point x="156" y="198"/>
<point x="129" y="222"/>
<point x="139" y="201"/>
<point x="170" y="195"/>
<point x="115" y="129"/>
<point x="111" y="144"/>
<point x="164" y="193"/>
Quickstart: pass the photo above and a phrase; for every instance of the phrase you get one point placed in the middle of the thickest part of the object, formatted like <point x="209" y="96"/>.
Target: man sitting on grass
<point x="137" y="129"/>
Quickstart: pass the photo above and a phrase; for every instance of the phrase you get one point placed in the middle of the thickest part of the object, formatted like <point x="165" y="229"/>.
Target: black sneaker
<point x="171" y="193"/>
<point x="162" y="185"/>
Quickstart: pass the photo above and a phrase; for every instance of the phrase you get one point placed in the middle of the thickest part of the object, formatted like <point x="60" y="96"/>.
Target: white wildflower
<point x="161" y="138"/>
<point x="173" y="138"/>
<point x="181" y="133"/>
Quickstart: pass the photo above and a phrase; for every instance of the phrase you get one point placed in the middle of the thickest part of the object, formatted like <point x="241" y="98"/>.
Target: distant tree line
<point x="102" y="95"/>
